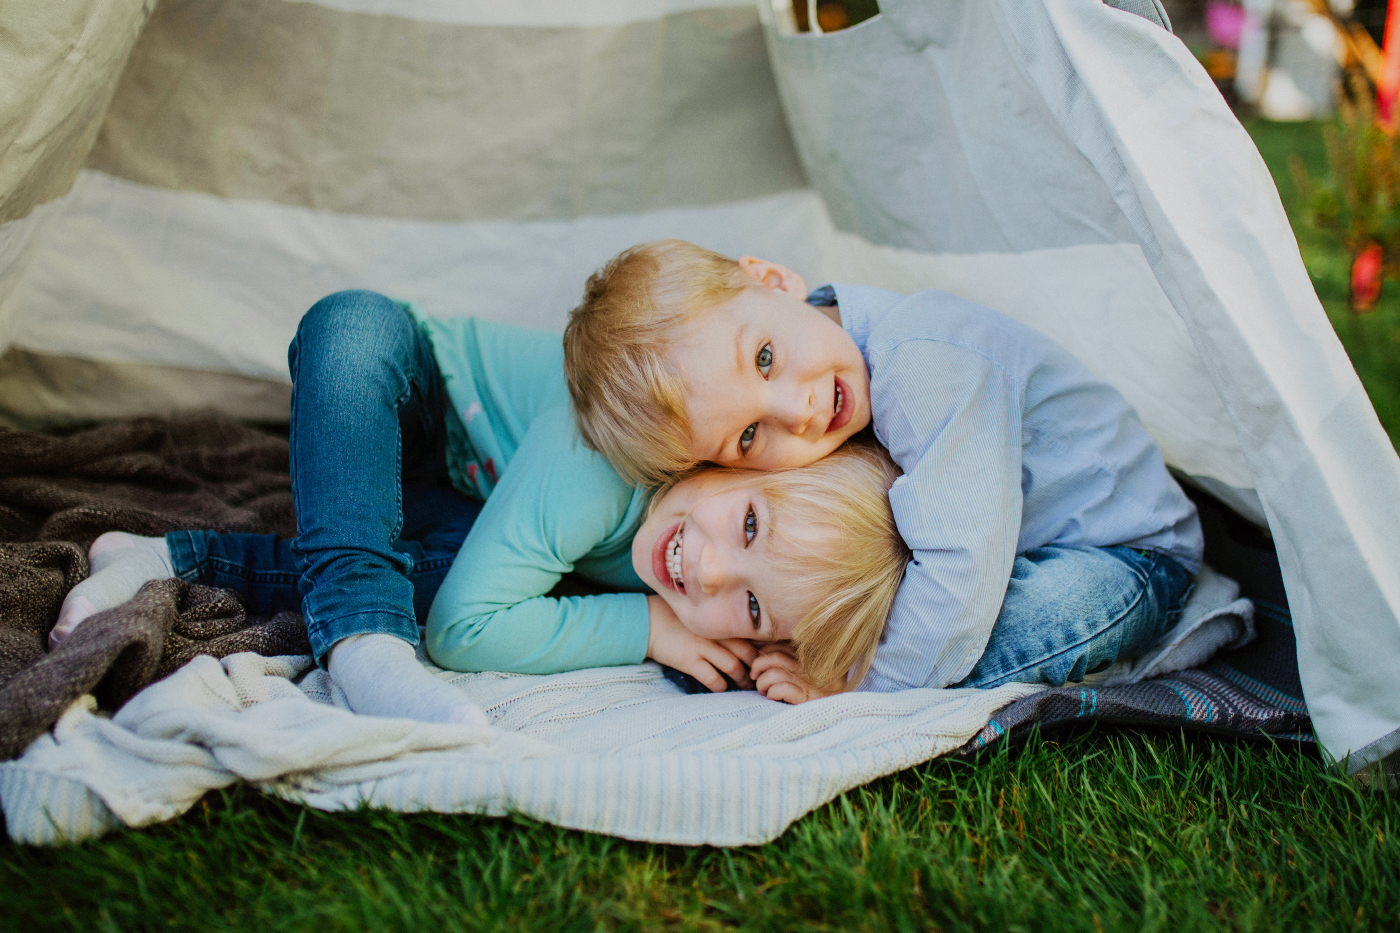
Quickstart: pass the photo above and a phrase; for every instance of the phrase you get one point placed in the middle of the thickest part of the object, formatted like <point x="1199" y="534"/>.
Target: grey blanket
<point x="147" y="477"/>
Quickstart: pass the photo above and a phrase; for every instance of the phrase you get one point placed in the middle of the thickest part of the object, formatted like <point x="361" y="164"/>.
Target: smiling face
<point x="771" y="381"/>
<point x="706" y="549"/>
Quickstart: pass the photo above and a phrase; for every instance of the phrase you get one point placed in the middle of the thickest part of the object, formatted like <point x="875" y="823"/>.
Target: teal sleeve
<point x="556" y="503"/>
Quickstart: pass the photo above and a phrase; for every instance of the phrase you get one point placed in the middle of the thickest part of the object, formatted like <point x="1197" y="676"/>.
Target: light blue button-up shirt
<point x="1007" y="444"/>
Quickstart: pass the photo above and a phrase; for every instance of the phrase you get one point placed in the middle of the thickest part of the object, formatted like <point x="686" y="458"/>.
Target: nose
<point x="713" y="572"/>
<point x="795" y="409"/>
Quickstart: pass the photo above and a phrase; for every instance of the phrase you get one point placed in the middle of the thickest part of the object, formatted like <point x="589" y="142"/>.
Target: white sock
<point x="119" y="563"/>
<point x="380" y="676"/>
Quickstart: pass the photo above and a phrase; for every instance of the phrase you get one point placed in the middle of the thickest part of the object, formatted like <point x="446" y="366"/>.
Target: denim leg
<point x="262" y="568"/>
<point x="367" y="401"/>
<point x="436" y="520"/>
<point x="266" y="570"/>
<point x="1071" y="611"/>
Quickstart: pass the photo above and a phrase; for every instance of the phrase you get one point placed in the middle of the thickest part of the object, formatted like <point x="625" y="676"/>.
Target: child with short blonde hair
<point x="440" y="458"/>
<point x="628" y="396"/>
<point x="1048" y="537"/>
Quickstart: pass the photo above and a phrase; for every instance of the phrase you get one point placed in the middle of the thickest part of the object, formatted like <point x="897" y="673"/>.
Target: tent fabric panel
<point x="1225" y="255"/>
<point x="138" y="274"/>
<point x="19" y="245"/>
<point x="1150" y="10"/>
<point x="384" y="116"/>
<point x="927" y="152"/>
<point x="61" y="60"/>
<point x="1344" y="620"/>
<point x="43" y="392"/>
<point x="144" y="275"/>
<point x="538" y="13"/>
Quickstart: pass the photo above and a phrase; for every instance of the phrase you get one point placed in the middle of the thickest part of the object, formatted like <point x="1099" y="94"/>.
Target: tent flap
<point x="1004" y="101"/>
<point x="60" y="60"/>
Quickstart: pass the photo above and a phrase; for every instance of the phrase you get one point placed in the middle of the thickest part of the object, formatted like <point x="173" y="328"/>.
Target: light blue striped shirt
<point x="1007" y="444"/>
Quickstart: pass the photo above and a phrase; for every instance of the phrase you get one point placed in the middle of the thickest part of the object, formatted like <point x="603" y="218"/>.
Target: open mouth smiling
<point x="673" y="559"/>
<point x="844" y="407"/>
<point x="666" y="558"/>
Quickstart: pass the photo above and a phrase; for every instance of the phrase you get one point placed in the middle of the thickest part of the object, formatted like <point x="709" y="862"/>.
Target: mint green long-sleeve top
<point x="552" y="506"/>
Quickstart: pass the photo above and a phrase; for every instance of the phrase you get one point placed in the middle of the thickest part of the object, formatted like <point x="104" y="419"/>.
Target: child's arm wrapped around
<point x="559" y="508"/>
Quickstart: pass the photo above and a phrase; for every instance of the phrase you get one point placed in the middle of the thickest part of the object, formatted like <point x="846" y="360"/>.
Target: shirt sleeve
<point x="555" y="503"/>
<point x="950" y="417"/>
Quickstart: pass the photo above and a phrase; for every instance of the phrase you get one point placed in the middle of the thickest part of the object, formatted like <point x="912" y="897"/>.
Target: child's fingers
<point x="741" y="648"/>
<point x="725" y="660"/>
<point x="780" y="648"/>
<point x="767" y="680"/>
<point x="705" y="672"/>
<point x="775" y="661"/>
<point x="761" y="664"/>
<point x="785" y="691"/>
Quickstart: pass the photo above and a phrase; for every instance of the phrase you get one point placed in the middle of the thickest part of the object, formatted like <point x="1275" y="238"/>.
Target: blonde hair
<point x="629" y="399"/>
<point x="831" y="528"/>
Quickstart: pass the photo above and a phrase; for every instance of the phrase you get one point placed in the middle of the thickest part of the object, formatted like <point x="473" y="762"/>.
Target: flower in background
<point x="1224" y="23"/>
<point x="1358" y="200"/>
<point x="1366" y="278"/>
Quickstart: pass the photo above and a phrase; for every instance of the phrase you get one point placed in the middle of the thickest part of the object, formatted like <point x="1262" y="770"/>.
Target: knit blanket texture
<point x="147" y="477"/>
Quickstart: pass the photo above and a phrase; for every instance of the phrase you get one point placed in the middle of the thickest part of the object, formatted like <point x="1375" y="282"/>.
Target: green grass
<point x="1106" y="831"/>
<point x="1372" y="341"/>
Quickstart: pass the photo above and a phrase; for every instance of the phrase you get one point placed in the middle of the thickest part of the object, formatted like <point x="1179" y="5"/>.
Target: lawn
<point x="1096" y="831"/>
<point x="1101" y="831"/>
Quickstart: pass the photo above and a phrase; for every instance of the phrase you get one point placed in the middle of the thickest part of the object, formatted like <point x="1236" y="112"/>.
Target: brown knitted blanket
<point x="147" y="477"/>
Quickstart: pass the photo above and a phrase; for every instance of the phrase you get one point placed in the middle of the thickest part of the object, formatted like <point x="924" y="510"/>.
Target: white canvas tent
<point x="178" y="184"/>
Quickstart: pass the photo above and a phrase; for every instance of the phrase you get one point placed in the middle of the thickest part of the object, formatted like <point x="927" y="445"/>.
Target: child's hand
<point x="779" y="676"/>
<point x="674" y="645"/>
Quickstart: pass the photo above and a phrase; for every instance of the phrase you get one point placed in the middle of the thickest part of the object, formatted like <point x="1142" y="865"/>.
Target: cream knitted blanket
<point x="610" y="750"/>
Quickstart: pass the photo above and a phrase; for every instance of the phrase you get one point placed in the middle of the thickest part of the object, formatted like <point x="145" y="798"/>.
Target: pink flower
<point x="1224" y="23"/>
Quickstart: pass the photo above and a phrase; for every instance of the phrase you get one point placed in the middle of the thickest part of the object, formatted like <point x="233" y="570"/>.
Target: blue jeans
<point x="378" y="523"/>
<point x="1071" y="611"/>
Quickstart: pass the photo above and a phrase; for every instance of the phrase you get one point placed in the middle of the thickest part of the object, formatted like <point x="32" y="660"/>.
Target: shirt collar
<point x="854" y="321"/>
<point x="823" y="297"/>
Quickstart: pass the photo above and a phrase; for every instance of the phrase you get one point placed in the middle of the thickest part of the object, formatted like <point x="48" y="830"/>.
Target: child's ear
<point x="774" y="276"/>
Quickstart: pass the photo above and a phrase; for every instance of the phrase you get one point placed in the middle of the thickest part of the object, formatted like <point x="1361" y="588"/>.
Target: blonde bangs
<point x="628" y="397"/>
<point x="832" y="530"/>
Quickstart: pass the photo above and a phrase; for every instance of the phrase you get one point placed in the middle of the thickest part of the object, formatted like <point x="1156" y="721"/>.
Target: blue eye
<point x="754" y="613"/>
<point x="750" y="527"/>
<point x="764" y="360"/>
<point x="746" y="439"/>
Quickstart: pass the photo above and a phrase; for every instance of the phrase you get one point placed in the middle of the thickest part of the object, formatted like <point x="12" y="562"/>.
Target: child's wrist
<point x="656" y="607"/>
